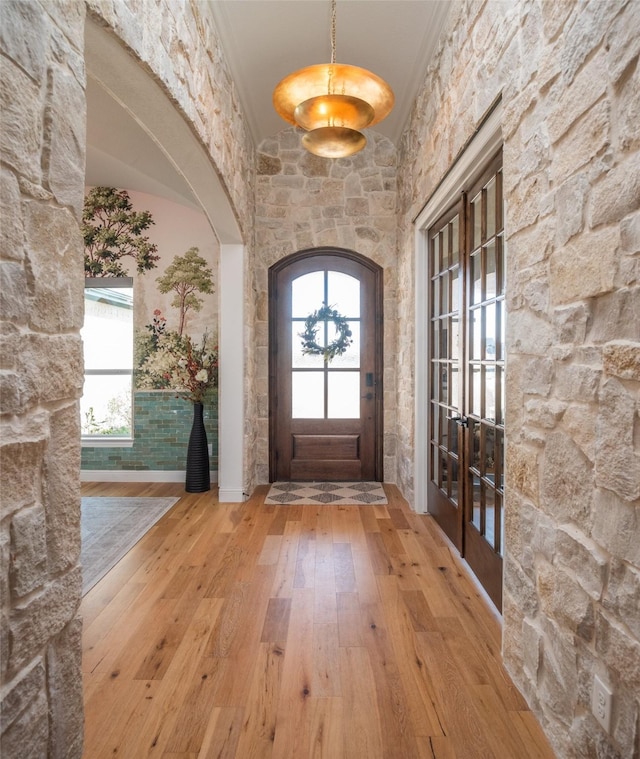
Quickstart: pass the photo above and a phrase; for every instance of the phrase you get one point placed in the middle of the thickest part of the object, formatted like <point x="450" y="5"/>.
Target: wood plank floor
<point x="283" y="632"/>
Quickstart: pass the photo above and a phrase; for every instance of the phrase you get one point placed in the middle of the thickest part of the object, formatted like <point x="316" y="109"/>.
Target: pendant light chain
<point x="333" y="31"/>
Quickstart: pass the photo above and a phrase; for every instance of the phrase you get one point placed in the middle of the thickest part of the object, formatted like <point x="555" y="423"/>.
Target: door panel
<point x="466" y="480"/>
<point x="325" y="414"/>
<point x="484" y="398"/>
<point x="445" y="391"/>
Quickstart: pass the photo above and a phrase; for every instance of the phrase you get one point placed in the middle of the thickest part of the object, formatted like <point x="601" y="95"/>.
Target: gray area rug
<point x="111" y="527"/>
<point x="335" y="493"/>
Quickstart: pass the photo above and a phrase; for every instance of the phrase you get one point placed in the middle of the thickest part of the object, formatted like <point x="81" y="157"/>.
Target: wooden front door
<point x="467" y="357"/>
<point x="325" y="412"/>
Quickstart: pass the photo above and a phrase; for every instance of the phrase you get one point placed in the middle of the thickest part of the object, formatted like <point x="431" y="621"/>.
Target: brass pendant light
<point x="332" y="102"/>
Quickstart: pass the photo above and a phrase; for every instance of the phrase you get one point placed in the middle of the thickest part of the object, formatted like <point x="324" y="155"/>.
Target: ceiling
<point x="263" y="41"/>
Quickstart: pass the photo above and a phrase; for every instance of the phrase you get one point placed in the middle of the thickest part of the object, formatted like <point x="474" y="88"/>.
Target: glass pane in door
<point x="328" y="392"/>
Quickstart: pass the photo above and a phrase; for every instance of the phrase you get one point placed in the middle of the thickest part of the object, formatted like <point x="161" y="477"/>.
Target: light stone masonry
<point x="42" y="141"/>
<point x="568" y="76"/>
<point x="304" y="201"/>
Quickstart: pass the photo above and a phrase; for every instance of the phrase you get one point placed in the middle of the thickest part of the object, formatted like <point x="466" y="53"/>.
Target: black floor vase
<point x="198" y="477"/>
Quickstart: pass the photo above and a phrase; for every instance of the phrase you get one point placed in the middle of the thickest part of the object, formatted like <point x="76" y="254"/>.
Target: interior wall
<point x="303" y="201"/>
<point x="162" y="422"/>
<point x="189" y="105"/>
<point x="42" y="149"/>
<point x="568" y="76"/>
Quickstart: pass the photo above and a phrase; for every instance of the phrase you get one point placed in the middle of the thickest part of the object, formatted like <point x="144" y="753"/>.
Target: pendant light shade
<point x="334" y="142"/>
<point x="332" y="102"/>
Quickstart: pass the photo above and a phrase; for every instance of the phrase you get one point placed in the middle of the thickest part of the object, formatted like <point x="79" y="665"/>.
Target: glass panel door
<point x="484" y="370"/>
<point x="445" y="386"/>
<point x="325" y="358"/>
<point x="466" y="354"/>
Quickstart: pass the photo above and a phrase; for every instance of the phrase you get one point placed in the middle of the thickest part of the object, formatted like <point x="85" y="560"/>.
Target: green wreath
<point x="310" y="347"/>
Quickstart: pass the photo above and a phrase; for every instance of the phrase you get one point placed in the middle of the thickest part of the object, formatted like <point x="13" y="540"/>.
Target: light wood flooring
<point x="338" y="632"/>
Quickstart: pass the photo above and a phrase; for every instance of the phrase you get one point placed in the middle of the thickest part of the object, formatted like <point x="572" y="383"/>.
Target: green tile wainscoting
<point x="162" y="424"/>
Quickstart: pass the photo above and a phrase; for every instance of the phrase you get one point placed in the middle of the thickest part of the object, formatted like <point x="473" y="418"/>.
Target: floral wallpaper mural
<point x="170" y="253"/>
<point x="169" y="358"/>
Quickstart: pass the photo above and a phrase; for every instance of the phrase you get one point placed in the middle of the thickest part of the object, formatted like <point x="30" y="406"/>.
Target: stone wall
<point x="570" y="83"/>
<point x="303" y="201"/>
<point x="42" y="105"/>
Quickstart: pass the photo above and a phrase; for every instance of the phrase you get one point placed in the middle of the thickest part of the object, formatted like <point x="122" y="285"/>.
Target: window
<point x="107" y="334"/>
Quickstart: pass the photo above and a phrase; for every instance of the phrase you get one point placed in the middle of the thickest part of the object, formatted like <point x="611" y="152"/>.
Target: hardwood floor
<point x="245" y="630"/>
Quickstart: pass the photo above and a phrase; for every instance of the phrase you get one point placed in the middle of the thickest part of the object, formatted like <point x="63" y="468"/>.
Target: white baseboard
<point x="231" y="495"/>
<point x="137" y="475"/>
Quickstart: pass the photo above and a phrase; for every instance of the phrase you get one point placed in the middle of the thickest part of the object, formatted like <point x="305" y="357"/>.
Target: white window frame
<point x="113" y="441"/>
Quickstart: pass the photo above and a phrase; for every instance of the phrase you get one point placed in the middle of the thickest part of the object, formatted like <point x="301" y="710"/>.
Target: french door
<point x="466" y="383"/>
<point x="325" y="407"/>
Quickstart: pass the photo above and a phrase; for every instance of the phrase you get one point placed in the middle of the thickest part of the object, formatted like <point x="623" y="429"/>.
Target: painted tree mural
<point x="112" y="230"/>
<point x="186" y="276"/>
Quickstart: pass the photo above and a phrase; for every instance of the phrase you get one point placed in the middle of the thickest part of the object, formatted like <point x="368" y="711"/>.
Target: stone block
<point x="617" y="193"/>
<point x="567" y="481"/>
<point x="520" y="585"/>
<point x="52" y="368"/>
<point x="585" y="267"/>
<point x="20" y="120"/>
<point x="554" y="16"/>
<point x="522" y="470"/>
<point x="617" y="459"/>
<point x="11" y="231"/>
<point x="575" y="382"/>
<point x="61" y="490"/>
<point x="357" y="207"/>
<point x="616" y="526"/>
<point x="28" y="551"/>
<point x="529" y="246"/>
<point x="45" y="615"/>
<point x="537" y="376"/>
<point x="64" y="681"/>
<point x="24" y="690"/>
<point x="16" y="297"/>
<point x="627" y="112"/>
<point x="313" y="165"/>
<point x="587" y="561"/>
<point x="528" y="333"/>
<point x="570" y="201"/>
<point x="570" y="323"/>
<point x="563" y="601"/>
<point x="531" y="648"/>
<point x="58" y="269"/>
<point x="571" y="102"/>
<point x="621" y="41"/>
<point x="544" y="413"/>
<point x="21" y="466"/>
<point x="24" y="36"/>
<point x="615" y="316"/>
<point x="621" y="358"/>
<point x="28" y="735"/>
<point x="268" y="164"/>
<point x="622" y="594"/>
<point x="579" y="422"/>
<point x="619" y="651"/>
<point x="559" y="685"/>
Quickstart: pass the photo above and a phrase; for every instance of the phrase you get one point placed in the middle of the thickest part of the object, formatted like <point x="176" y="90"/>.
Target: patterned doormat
<point x="316" y="493"/>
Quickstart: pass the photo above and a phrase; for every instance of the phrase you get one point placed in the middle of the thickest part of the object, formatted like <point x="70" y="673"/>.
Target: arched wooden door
<point x="325" y="414"/>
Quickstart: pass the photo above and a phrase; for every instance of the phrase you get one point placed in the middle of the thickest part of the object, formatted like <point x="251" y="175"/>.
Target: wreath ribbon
<point x="311" y="347"/>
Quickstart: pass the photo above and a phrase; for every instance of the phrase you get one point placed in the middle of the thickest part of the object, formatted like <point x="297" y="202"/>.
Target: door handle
<point x="463" y="421"/>
<point x="367" y="397"/>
